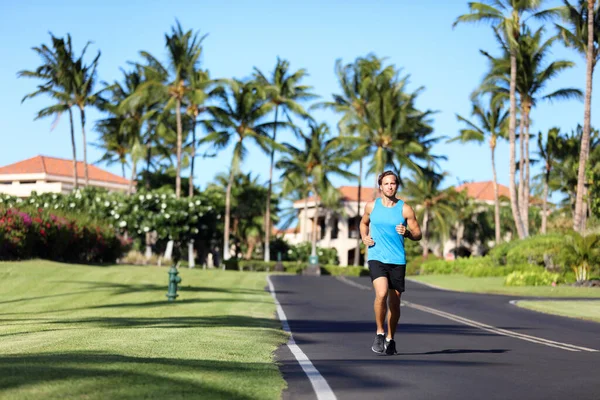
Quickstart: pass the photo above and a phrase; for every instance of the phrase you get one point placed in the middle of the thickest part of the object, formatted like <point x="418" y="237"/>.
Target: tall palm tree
<point x="239" y="115"/>
<point x="320" y="157"/>
<point x="57" y="83"/>
<point x="284" y="91"/>
<point x="507" y="17"/>
<point x="548" y="151"/>
<point x="358" y="81"/>
<point x="184" y="50"/>
<point x="84" y="79"/>
<point x="493" y="123"/>
<point x="195" y="98"/>
<point x="583" y="34"/>
<point x="533" y="76"/>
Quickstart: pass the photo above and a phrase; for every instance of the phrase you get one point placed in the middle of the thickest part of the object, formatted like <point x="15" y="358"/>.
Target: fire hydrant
<point x="174" y="280"/>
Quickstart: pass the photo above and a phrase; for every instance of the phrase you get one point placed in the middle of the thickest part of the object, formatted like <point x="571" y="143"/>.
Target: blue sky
<point x="416" y="36"/>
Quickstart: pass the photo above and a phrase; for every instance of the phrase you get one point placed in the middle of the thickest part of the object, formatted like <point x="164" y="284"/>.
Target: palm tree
<point x="434" y="204"/>
<point x="583" y="253"/>
<point x="184" y="51"/>
<point x="239" y="116"/>
<point x="506" y="17"/>
<point x="548" y="152"/>
<point x="492" y="123"/>
<point x="84" y="79"/>
<point x="582" y="33"/>
<point x="533" y="77"/>
<point x="320" y="157"/>
<point x="57" y="83"/>
<point x="195" y="98"/>
<point x="284" y="91"/>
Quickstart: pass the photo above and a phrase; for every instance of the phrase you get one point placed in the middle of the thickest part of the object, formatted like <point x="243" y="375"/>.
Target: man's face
<point x="389" y="185"/>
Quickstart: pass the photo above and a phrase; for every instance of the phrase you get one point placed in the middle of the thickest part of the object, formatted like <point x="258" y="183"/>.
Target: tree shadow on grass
<point x="122" y="288"/>
<point x="225" y="321"/>
<point x="98" y="375"/>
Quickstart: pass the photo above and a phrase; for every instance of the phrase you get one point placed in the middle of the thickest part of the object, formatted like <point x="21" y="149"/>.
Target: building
<point x="339" y="228"/>
<point x="44" y="174"/>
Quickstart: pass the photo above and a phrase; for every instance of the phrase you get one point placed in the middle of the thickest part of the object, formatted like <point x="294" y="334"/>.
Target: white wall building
<point x="44" y="174"/>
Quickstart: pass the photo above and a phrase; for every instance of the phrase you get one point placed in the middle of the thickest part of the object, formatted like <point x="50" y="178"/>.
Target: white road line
<point x="484" y="327"/>
<point x="319" y="384"/>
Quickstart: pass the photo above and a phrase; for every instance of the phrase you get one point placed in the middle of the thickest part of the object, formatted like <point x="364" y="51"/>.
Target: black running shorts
<point x="394" y="273"/>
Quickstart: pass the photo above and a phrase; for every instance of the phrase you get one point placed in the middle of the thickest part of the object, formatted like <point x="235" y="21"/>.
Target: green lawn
<point x="73" y="331"/>
<point x="576" y="309"/>
<point x="496" y="285"/>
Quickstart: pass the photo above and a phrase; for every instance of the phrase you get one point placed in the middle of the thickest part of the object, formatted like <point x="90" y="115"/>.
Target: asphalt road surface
<point x="450" y="346"/>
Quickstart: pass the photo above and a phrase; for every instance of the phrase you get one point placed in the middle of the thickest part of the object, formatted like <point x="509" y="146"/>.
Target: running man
<point x="383" y="228"/>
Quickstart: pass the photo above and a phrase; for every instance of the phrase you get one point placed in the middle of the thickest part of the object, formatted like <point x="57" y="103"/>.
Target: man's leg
<point x="394" y="315"/>
<point x="380" y="285"/>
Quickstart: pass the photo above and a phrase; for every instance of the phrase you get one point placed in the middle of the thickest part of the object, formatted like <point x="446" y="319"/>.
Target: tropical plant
<point x="548" y="152"/>
<point x="238" y="116"/>
<point x="584" y="252"/>
<point x="507" y="18"/>
<point x="493" y="123"/>
<point x="583" y="34"/>
<point x="57" y="84"/>
<point x="284" y="91"/>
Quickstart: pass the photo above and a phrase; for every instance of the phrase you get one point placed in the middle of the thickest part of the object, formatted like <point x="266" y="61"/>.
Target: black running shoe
<point x="390" y="347"/>
<point x="378" y="344"/>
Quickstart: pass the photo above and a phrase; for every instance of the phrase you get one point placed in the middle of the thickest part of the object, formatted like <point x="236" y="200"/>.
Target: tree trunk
<point x="358" y="239"/>
<point x="305" y="236"/>
<point x="425" y="231"/>
<point x="85" y="168"/>
<point x="193" y="158"/>
<point x="226" y="254"/>
<point x="133" y="174"/>
<point x="123" y="169"/>
<point x="74" y="149"/>
<point x="179" y="144"/>
<point x="526" y="183"/>
<point x="148" y="161"/>
<point x="522" y="163"/>
<point x="585" y="138"/>
<point x="545" y="205"/>
<point x="267" y="251"/>
<point x="512" y="138"/>
<point x="496" y="200"/>
<point x="313" y="251"/>
<point x="191" y="258"/>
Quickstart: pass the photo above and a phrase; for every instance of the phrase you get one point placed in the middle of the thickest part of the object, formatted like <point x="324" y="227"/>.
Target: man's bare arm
<point x="414" y="230"/>
<point x="364" y="225"/>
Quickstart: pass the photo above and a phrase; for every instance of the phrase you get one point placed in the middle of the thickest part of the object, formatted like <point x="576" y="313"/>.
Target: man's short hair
<point x="386" y="173"/>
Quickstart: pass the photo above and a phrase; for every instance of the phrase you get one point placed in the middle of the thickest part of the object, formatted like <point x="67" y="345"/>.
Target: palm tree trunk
<point x="522" y="163"/>
<point x="545" y="204"/>
<point x="179" y="144"/>
<point x="585" y="138"/>
<point x="148" y="161"/>
<point x="496" y="200"/>
<point x="133" y="174"/>
<point x="74" y="149"/>
<point x="512" y="123"/>
<point x="425" y="230"/>
<point x="313" y="251"/>
<point x="267" y="247"/>
<point x="123" y="169"/>
<point x="226" y="254"/>
<point x="193" y="158"/>
<point x="305" y="237"/>
<point x="526" y="184"/>
<point x="85" y="167"/>
<point x="358" y="239"/>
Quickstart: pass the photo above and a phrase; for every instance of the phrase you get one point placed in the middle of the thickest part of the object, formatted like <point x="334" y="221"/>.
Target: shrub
<point x="531" y="278"/>
<point x="338" y="270"/>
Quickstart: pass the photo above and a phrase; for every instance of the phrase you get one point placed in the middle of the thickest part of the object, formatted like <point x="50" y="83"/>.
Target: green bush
<point x="478" y="271"/>
<point x="345" y="271"/>
<point x="533" y="249"/>
<point x="531" y="278"/>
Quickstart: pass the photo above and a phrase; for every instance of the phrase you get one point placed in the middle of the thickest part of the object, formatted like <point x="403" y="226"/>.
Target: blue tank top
<point x="389" y="245"/>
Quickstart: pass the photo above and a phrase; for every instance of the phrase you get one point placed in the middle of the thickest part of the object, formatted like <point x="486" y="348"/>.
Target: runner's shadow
<point x="457" y="351"/>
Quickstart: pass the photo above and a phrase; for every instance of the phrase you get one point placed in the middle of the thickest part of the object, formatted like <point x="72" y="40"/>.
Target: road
<point x="450" y="346"/>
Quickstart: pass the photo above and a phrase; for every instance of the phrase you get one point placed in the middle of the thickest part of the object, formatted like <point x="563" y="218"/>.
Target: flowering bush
<point x="31" y="233"/>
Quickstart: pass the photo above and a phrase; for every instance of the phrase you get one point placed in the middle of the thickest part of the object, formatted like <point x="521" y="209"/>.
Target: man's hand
<point x="368" y="241"/>
<point x="401" y="229"/>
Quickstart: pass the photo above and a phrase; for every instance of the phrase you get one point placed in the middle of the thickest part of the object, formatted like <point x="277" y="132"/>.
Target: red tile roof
<point x="484" y="191"/>
<point x="60" y="167"/>
<point x="349" y="193"/>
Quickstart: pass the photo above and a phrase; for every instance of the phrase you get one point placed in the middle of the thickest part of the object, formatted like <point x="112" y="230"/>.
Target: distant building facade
<point x="44" y="174"/>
